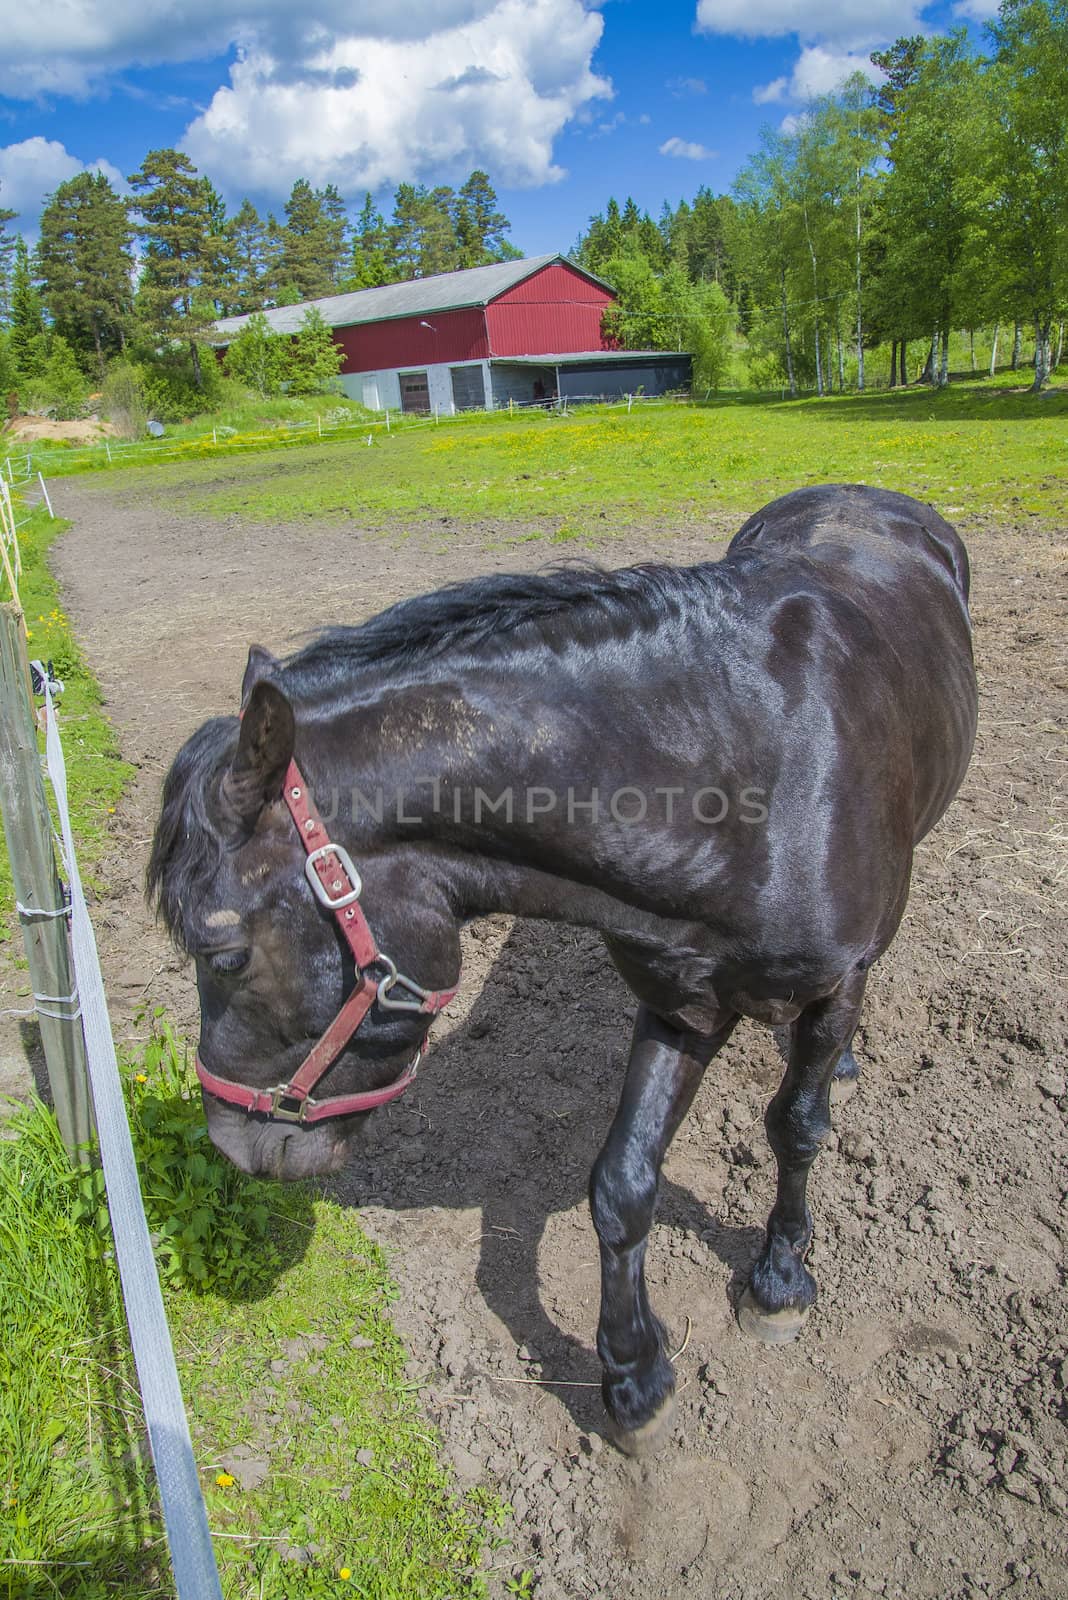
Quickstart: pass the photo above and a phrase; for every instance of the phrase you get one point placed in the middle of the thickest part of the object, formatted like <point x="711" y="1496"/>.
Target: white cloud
<point x="851" y="24"/>
<point x="361" y="111"/>
<point x="976" y="10"/>
<point x="684" y="86"/>
<point x="357" y="92"/>
<point x="70" y="46"/>
<point x="820" y="71"/>
<point x="31" y="170"/>
<point x="766" y="93"/>
<point x="686" y="150"/>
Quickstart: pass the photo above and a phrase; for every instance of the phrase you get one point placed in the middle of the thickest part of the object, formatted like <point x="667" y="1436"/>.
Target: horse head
<point x="279" y="966"/>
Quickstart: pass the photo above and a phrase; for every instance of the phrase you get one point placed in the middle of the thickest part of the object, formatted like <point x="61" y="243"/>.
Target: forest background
<point x="910" y="226"/>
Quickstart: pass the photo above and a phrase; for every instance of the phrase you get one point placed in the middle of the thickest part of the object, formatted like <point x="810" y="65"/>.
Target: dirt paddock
<point x="914" y="1442"/>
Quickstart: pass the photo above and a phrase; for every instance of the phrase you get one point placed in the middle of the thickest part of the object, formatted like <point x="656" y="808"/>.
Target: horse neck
<point x="492" y="782"/>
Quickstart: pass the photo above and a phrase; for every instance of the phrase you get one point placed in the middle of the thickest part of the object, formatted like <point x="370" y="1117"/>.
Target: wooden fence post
<point x="28" y="831"/>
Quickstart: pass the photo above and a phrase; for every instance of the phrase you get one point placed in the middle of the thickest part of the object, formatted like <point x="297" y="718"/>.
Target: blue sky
<point x="561" y="101"/>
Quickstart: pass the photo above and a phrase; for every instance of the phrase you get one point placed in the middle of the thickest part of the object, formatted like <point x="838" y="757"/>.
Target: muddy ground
<point x="914" y="1443"/>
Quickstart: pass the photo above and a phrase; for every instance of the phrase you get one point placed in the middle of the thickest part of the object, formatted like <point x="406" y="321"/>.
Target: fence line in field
<point x="109" y="453"/>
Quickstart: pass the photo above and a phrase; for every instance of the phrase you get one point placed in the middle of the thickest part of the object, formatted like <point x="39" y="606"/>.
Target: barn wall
<point x="555" y="311"/>
<point x="380" y="391"/>
<point x="379" y="346"/>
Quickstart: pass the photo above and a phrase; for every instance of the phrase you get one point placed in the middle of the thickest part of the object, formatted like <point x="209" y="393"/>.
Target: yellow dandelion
<point x="140" y="1077"/>
<point x="345" y="1574"/>
<point x="225" y="1480"/>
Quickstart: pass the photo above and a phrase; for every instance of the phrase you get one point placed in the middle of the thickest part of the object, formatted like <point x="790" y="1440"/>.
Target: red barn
<point x="518" y="331"/>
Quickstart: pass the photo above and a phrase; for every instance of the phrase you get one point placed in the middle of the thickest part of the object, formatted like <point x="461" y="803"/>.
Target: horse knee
<point x="622" y="1199"/>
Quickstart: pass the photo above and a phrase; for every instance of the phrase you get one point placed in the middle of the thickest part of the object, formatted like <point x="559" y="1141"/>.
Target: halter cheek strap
<point x="336" y="884"/>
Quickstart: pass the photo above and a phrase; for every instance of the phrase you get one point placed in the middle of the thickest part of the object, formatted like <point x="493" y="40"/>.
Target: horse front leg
<point x="781" y="1289"/>
<point x="665" y="1067"/>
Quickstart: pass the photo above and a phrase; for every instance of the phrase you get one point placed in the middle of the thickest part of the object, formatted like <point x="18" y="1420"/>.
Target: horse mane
<point x="478" y="611"/>
<point x="186" y="847"/>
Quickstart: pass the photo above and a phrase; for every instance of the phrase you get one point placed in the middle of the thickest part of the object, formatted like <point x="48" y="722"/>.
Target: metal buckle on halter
<point x="279" y="1111"/>
<point x="390" y="982"/>
<point x="319" y="888"/>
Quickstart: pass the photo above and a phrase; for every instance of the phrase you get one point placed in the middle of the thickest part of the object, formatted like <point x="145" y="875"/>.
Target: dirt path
<point x="914" y="1444"/>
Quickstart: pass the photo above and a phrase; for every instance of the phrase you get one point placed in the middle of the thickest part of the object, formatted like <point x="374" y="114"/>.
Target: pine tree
<point x="335" y="232"/>
<point x="246" y="261"/>
<point x="480" y="225"/>
<point x="313" y="240"/>
<point x="83" y="260"/>
<point x="179" y="277"/>
<point x="371" y="264"/>
<point x="437" y="244"/>
<point x="27" y="340"/>
<point x="406" y="229"/>
<point x="7" y="255"/>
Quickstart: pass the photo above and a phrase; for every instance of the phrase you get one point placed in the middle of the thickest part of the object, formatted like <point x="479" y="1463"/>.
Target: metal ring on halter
<point x="319" y="889"/>
<point x="391" y="980"/>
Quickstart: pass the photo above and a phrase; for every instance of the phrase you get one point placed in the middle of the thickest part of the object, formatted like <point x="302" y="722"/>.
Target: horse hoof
<point x="651" y="1437"/>
<point x="770" y="1327"/>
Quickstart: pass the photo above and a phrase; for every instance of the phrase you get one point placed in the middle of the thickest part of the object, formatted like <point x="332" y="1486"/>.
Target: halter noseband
<point x="336" y="884"/>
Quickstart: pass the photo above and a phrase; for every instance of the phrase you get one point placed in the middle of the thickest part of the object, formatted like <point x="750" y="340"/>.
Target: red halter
<point x="336" y="885"/>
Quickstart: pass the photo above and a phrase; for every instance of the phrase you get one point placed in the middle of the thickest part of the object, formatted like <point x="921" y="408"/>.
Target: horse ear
<point x="264" y="750"/>
<point x="261" y="663"/>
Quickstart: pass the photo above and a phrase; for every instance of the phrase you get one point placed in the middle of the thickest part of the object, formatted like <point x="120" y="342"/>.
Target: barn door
<point x="468" y="388"/>
<point x="415" y="391"/>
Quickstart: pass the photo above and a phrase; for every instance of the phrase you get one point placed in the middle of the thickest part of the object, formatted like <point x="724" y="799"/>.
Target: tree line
<point x="934" y="204"/>
<point x="142" y="280"/>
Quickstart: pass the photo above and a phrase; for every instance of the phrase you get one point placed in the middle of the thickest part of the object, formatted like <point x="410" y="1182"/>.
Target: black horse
<point x="723" y="768"/>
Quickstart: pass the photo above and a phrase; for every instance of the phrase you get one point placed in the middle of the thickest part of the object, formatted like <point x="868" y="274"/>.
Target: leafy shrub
<point x="257" y="357"/>
<point x="210" y="1225"/>
<point x="314" y="358"/>
<point x="61" y="388"/>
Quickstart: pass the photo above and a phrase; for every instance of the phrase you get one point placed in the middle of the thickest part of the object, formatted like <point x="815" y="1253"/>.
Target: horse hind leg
<point x="781" y="1290"/>
<point x="846" y="1073"/>
<point x="664" y="1070"/>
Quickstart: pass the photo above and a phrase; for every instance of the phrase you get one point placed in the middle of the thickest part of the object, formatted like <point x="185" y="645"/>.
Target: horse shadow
<point x="511" y="1109"/>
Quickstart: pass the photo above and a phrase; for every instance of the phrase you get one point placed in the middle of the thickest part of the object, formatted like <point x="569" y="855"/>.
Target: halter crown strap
<point x="336" y="884"/>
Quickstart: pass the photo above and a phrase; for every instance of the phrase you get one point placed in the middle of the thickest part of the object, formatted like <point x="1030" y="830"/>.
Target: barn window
<point x="415" y="391"/>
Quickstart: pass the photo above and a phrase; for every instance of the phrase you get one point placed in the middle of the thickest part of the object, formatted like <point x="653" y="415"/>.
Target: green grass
<point x="248" y="426"/>
<point x="970" y="449"/>
<point x="352" y="1478"/>
<point x="96" y="770"/>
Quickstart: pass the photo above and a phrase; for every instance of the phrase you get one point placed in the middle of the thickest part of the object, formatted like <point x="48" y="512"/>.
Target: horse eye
<point x="228" y="963"/>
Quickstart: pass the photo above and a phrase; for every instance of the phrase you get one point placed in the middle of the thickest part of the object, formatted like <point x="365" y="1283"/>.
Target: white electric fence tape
<point x="184" y="1513"/>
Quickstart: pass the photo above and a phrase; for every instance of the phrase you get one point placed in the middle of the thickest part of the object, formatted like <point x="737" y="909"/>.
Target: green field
<point x="969" y="449"/>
